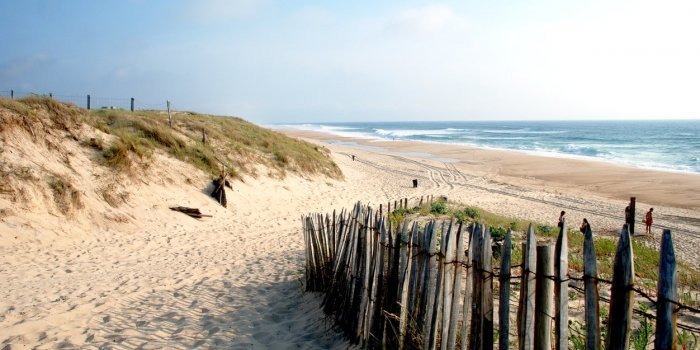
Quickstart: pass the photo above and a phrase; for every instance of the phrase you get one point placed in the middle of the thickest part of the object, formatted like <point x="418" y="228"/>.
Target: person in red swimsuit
<point x="648" y="220"/>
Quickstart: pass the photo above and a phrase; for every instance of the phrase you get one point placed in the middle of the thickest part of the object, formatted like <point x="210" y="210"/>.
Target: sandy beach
<point x="148" y="277"/>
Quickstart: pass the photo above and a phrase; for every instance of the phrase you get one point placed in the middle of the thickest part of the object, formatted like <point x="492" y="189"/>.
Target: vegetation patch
<point x="646" y="259"/>
<point x="65" y="195"/>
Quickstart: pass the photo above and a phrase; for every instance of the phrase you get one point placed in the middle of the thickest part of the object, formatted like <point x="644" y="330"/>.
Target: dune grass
<point x="229" y="140"/>
<point x="242" y="146"/>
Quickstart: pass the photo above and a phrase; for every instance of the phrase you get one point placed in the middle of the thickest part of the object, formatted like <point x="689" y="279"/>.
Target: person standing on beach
<point x="561" y="219"/>
<point x="649" y="220"/>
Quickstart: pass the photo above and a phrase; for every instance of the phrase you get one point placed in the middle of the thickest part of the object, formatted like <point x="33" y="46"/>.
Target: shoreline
<point x="541" y="153"/>
<point x="614" y="181"/>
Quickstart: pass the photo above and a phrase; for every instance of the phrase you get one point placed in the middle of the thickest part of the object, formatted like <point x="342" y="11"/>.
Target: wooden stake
<point x="590" y="284"/>
<point x="667" y="292"/>
<point x="621" y="294"/>
<point x="544" y="297"/>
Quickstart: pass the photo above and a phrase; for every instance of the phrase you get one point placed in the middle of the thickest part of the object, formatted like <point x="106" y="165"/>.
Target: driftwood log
<point x="193" y="212"/>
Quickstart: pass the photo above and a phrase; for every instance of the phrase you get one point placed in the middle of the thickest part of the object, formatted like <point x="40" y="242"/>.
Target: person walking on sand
<point x="649" y="220"/>
<point x="561" y="219"/>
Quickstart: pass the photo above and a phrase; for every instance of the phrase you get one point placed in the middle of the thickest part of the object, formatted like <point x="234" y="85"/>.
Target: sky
<point x="274" y="61"/>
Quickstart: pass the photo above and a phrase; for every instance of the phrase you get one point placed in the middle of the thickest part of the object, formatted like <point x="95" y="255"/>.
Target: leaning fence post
<point x="590" y="284"/>
<point x="621" y="294"/>
<point x="667" y="294"/>
<point x="469" y="281"/>
<point x="504" y="294"/>
<point x="561" y="288"/>
<point x="544" y="297"/>
<point x="526" y="307"/>
<point x="449" y="260"/>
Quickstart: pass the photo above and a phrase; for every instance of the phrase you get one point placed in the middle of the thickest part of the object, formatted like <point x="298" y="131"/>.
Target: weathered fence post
<point x="477" y="287"/>
<point x="88" y="102"/>
<point x="667" y="294"/>
<point x="504" y="294"/>
<point x="630" y="224"/>
<point x="430" y="287"/>
<point x="487" y="293"/>
<point x="132" y="104"/>
<point x="561" y="288"/>
<point x="621" y="294"/>
<point x="469" y="281"/>
<point x="170" y="117"/>
<point x="12" y="94"/>
<point x="544" y="297"/>
<point x="526" y="305"/>
<point x="449" y="260"/>
<point x="454" y="313"/>
<point x="590" y="284"/>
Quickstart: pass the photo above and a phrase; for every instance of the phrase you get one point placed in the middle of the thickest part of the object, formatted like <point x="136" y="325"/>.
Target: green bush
<point x="438" y="208"/>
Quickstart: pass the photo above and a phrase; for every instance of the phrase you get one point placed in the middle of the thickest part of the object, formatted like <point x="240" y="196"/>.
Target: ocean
<point x="661" y="145"/>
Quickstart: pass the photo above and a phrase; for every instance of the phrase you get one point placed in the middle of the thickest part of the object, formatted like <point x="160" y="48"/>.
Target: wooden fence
<point x="428" y="286"/>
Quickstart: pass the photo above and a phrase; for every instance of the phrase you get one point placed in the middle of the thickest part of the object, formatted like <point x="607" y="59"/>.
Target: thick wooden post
<point x="667" y="293"/>
<point x="132" y="104"/>
<point x="504" y="294"/>
<point x="561" y="288"/>
<point x="88" y="102"/>
<point x="526" y="307"/>
<point x="630" y="224"/>
<point x="477" y="288"/>
<point x="544" y="297"/>
<point x="170" y="117"/>
<point x="621" y="294"/>
<point x="590" y="285"/>
<point x="12" y="94"/>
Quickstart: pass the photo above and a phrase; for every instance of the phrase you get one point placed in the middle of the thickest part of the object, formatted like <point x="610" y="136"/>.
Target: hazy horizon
<point x="270" y="61"/>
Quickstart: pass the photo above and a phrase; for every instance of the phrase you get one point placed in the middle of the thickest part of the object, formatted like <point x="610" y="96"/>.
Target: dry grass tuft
<point x="65" y="195"/>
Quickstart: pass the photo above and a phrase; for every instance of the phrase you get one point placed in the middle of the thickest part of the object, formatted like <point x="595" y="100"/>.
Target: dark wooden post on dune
<point x="668" y="293"/>
<point x="12" y="94"/>
<point x="132" y="104"/>
<point x="621" y="294"/>
<point x="544" y="296"/>
<point x="504" y="294"/>
<point x="590" y="284"/>
<point x="630" y="224"/>
<point x="88" y="102"/>
<point x="170" y="117"/>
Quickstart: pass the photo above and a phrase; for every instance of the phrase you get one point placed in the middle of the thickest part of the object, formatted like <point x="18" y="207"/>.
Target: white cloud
<point x="23" y="65"/>
<point x="222" y="10"/>
<point x="424" y="20"/>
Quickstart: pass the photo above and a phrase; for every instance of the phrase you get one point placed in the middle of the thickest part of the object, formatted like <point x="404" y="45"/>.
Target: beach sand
<point x="159" y="279"/>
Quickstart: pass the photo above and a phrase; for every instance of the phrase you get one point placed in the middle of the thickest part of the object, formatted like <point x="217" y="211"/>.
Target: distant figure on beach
<point x="584" y="226"/>
<point x="353" y="157"/>
<point x="561" y="219"/>
<point x="648" y="220"/>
